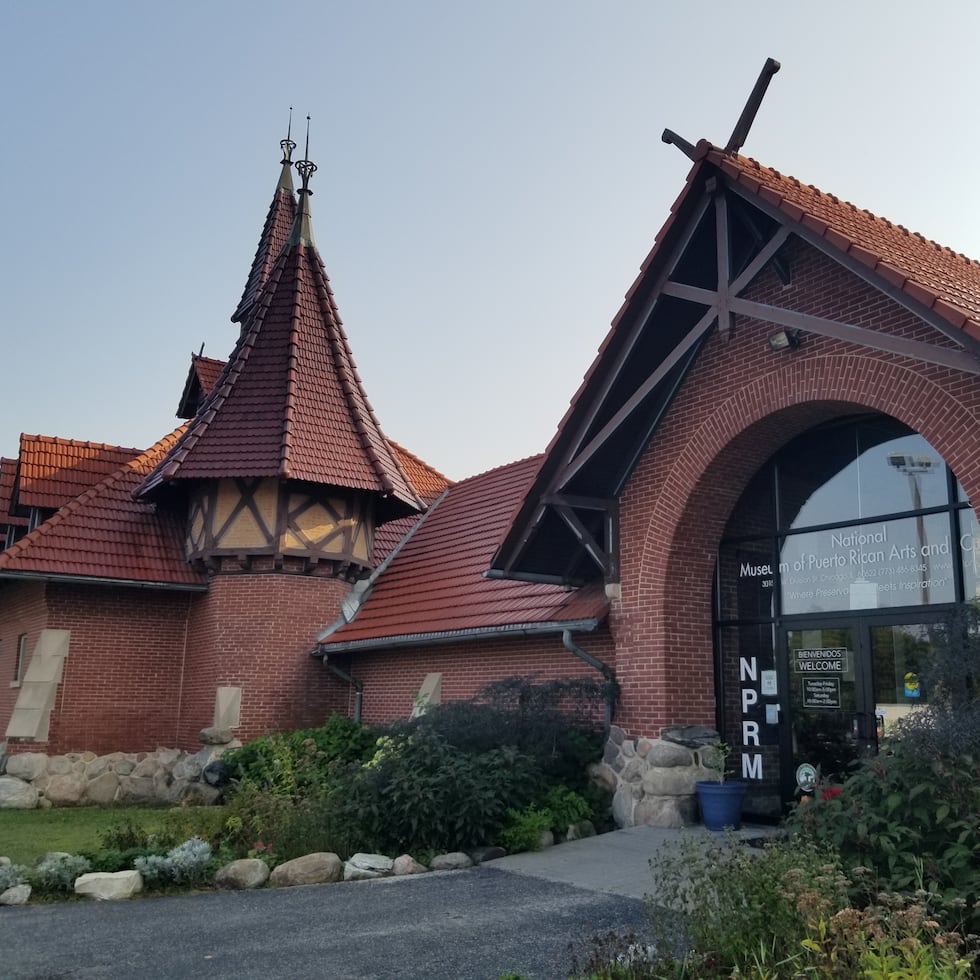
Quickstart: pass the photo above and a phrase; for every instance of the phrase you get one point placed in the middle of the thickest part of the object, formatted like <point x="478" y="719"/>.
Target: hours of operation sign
<point x="821" y="692"/>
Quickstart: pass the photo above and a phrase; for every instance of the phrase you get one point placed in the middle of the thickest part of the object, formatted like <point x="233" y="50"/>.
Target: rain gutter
<point x="101" y="580"/>
<point x="609" y="688"/>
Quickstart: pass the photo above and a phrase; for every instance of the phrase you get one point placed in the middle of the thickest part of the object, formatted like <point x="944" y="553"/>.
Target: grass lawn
<point x="27" y="834"/>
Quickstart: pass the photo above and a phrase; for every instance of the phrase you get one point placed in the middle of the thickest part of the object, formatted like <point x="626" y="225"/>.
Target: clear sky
<point x="490" y="178"/>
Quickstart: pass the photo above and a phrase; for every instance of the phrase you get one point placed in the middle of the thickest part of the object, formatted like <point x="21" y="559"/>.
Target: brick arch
<point x="700" y="486"/>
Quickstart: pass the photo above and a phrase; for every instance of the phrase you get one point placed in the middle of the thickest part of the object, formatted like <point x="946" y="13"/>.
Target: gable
<point x="734" y="222"/>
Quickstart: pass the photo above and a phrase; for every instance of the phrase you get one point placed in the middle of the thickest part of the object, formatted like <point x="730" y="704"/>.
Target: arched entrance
<point x="844" y="551"/>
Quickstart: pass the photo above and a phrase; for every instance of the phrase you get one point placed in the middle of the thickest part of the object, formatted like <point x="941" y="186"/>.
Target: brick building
<point x="753" y="514"/>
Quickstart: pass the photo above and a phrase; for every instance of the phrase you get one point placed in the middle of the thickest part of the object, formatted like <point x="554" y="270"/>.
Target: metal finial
<point x="306" y="168"/>
<point x="287" y="144"/>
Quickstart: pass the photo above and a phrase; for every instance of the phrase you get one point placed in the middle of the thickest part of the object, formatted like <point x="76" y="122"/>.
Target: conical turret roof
<point x="290" y="403"/>
<point x="278" y="223"/>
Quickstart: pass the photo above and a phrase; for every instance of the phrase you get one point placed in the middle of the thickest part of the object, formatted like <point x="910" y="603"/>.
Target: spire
<point x="278" y="222"/>
<point x="302" y="230"/>
<point x="290" y="404"/>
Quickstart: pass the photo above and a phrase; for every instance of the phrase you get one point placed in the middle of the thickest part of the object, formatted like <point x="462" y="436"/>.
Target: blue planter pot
<point x="721" y="803"/>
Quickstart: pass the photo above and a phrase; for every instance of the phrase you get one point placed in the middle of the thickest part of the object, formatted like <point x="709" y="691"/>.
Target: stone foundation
<point x="165" y="776"/>
<point x="652" y="779"/>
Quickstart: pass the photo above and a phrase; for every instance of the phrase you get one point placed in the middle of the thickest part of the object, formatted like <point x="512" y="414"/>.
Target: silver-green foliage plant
<point x="12" y="875"/>
<point x="57" y="872"/>
<point x="719" y="898"/>
<point x="184" y="864"/>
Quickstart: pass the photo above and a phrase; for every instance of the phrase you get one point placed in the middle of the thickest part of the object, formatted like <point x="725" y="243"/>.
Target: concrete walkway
<point x="617" y="863"/>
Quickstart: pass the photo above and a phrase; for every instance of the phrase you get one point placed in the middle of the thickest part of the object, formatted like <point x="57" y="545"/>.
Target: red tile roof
<point x="435" y="583"/>
<point x="945" y="281"/>
<point x="201" y="378"/>
<point x="105" y="534"/>
<point x="7" y="470"/>
<point x="290" y="403"/>
<point x="275" y="232"/>
<point x="52" y="471"/>
<point x="429" y="484"/>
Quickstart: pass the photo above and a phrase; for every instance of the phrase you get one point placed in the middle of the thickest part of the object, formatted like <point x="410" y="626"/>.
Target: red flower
<point x="830" y="792"/>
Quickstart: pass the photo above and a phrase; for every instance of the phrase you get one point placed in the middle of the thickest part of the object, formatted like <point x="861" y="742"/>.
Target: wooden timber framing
<point x="250" y="517"/>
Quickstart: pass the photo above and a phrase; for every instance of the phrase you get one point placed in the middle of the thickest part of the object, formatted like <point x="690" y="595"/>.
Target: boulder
<point x="15" y="794"/>
<point x="28" y="766"/>
<point x="65" y="790"/>
<point x="311" y="869"/>
<point x="666" y="811"/>
<point x="187" y="768"/>
<point x="133" y="789"/>
<point x="676" y="781"/>
<point x="453" y="861"/>
<point x="146" y="769"/>
<point x="603" y="776"/>
<point x="362" y="866"/>
<point x="60" y="765"/>
<point x="109" y="886"/>
<point x="407" y="865"/>
<point x="216" y="736"/>
<point x="16" y="895"/>
<point x="692" y="736"/>
<point x="102" y="789"/>
<point x="216" y="773"/>
<point x="666" y="755"/>
<point x="622" y="806"/>
<point x="490" y="853"/>
<point x="125" y="765"/>
<point x="242" y="874"/>
<point x="581" y="829"/>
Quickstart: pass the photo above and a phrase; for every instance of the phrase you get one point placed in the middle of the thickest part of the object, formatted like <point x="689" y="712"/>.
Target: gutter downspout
<point x="357" y="685"/>
<point x="351" y="605"/>
<point x="607" y="672"/>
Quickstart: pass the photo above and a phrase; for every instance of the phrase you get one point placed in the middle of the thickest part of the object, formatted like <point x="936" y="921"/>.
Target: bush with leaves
<point x="421" y="793"/>
<point x="186" y="864"/>
<point x="291" y="763"/>
<point x="912" y="812"/>
<point x="56" y="873"/>
<point x="723" y="898"/>
<point x="557" y="723"/>
<point x="12" y="875"/>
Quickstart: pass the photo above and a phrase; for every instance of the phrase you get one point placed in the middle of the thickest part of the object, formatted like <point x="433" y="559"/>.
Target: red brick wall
<point x="739" y="404"/>
<point x="256" y="631"/>
<point x="391" y="679"/>
<point x="118" y="684"/>
<point x="22" y="611"/>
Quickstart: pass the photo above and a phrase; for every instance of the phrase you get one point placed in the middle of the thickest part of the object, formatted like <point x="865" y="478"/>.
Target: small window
<point x="20" y="661"/>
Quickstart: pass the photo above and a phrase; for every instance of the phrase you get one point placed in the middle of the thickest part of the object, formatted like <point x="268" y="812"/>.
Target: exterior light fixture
<point x="784" y="340"/>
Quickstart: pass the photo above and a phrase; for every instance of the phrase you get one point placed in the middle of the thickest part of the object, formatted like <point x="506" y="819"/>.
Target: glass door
<point x="832" y="720"/>
<point x="848" y="682"/>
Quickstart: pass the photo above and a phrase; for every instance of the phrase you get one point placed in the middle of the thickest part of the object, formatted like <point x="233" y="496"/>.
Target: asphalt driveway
<point x="477" y="923"/>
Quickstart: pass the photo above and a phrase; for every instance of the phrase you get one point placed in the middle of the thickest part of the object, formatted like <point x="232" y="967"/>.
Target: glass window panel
<point x="856" y="471"/>
<point x="902" y="474"/>
<point x="873" y="566"/>
<point x="747" y="575"/>
<point x="818" y="481"/>
<point x="970" y="552"/>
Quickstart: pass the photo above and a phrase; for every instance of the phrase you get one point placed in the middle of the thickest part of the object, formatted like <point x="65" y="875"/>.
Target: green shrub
<point x="565" y="807"/>
<point x="111" y="859"/>
<point x="421" y="793"/>
<point x="251" y="815"/>
<point x="725" y="898"/>
<point x="909" y="822"/>
<point x="524" y="829"/>
<point x="291" y="763"/>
